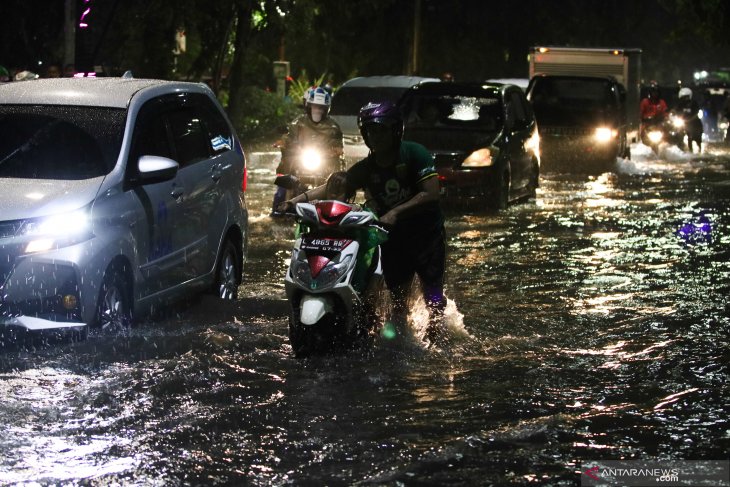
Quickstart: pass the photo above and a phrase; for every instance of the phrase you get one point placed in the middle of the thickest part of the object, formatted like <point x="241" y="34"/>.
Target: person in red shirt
<point x="652" y="108"/>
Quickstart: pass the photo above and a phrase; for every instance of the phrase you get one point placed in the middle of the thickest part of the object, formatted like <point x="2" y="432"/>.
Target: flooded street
<point x="590" y="323"/>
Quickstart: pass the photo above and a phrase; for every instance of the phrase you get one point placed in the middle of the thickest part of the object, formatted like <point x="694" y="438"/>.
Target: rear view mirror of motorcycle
<point x="287" y="181"/>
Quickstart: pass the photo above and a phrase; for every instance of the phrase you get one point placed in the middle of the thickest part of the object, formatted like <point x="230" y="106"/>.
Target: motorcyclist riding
<point x="688" y="109"/>
<point x="653" y="108"/>
<point x="313" y="129"/>
<point x="402" y="187"/>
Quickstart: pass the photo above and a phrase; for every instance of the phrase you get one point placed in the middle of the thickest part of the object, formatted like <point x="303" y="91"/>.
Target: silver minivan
<point x="116" y="196"/>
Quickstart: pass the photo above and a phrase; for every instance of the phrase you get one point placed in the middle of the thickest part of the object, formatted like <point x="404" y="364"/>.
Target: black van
<point x="581" y="121"/>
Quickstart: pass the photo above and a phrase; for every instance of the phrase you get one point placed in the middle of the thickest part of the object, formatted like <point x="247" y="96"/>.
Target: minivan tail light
<point x="244" y="181"/>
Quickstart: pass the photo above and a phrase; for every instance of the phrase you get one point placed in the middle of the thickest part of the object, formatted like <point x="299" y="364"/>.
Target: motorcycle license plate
<point x="324" y="244"/>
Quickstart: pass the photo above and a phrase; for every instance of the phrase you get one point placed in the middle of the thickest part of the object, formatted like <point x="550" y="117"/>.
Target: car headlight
<point x="481" y="158"/>
<point x="655" y="136"/>
<point x="329" y="275"/>
<point x="311" y="159"/>
<point x="604" y="134"/>
<point x="56" y="231"/>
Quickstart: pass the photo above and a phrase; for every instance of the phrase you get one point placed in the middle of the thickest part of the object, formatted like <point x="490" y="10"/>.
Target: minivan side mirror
<point x="156" y="169"/>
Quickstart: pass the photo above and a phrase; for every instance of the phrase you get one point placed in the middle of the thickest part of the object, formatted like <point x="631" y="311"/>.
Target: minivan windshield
<point x="566" y="101"/>
<point x="483" y="112"/>
<point x="349" y="100"/>
<point x="59" y="142"/>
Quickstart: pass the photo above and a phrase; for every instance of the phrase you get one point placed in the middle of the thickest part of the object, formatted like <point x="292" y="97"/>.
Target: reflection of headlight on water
<point x="311" y="159"/>
<point x="604" y="134"/>
<point x="56" y="231"/>
<point x="655" y="136"/>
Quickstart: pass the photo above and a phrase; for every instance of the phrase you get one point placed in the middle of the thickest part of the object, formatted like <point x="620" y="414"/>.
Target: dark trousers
<point x="422" y="254"/>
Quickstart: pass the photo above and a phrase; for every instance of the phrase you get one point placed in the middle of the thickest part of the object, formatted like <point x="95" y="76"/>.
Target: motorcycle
<point x="654" y="132"/>
<point x="334" y="283"/>
<point x="676" y="129"/>
<point x="310" y="165"/>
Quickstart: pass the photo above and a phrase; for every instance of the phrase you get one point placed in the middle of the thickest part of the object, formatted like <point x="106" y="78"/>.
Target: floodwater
<point x="590" y="323"/>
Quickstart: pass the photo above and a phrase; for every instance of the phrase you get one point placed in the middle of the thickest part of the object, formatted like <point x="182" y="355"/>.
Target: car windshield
<point x="349" y="100"/>
<point x="59" y="142"/>
<point x="566" y="101"/>
<point x="460" y="112"/>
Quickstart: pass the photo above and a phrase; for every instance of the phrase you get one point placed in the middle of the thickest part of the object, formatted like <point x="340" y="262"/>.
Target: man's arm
<point x="428" y="193"/>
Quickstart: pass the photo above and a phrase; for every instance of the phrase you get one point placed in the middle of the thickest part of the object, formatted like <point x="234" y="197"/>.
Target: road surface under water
<point x="589" y="323"/>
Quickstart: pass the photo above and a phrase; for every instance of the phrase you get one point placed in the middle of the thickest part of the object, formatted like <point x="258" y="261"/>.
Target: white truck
<point x="623" y="64"/>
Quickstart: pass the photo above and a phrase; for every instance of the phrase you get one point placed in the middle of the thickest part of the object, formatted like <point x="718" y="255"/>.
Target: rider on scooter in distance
<point x="402" y="187"/>
<point x="688" y="109"/>
<point x="653" y="111"/>
<point x="314" y="129"/>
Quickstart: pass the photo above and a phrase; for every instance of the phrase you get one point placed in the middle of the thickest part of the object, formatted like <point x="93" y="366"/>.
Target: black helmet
<point x="383" y="113"/>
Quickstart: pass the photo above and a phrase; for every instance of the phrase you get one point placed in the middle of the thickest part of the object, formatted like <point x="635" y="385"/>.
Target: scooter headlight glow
<point x="677" y="122"/>
<point x="311" y="159"/>
<point x="655" y="136"/>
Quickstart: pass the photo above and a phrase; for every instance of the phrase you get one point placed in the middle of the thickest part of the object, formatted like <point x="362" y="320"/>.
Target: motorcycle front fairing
<point x="324" y="259"/>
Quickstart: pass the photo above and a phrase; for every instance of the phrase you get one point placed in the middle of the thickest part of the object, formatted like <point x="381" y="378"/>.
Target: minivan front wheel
<point x="227" y="273"/>
<point x="114" y="308"/>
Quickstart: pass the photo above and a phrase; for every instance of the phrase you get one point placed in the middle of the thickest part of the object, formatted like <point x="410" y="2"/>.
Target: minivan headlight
<point x="56" y="231"/>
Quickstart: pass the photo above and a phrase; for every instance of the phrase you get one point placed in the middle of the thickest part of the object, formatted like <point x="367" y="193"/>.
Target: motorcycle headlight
<point x="481" y="158"/>
<point x="56" y="231"/>
<point x="677" y="122"/>
<point x="311" y="159"/>
<point x="655" y="136"/>
<point x="604" y="134"/>
<point x="329" y="275"/>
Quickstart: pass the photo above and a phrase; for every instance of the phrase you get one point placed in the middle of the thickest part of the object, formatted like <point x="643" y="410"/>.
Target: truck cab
<point x="581" y="121"/>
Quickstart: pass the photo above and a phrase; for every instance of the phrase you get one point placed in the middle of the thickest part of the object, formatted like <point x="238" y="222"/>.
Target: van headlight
<point x="481" y="158"/>
<point x="604" y="134"/>
<point x="56" y="231"/>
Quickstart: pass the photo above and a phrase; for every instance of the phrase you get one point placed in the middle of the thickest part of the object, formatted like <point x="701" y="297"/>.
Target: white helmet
<point x="685" y="92"/>
<point x="319" y="96"/>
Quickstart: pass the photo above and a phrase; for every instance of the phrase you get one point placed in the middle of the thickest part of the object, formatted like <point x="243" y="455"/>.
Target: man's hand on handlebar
<point x="285" y="207"/>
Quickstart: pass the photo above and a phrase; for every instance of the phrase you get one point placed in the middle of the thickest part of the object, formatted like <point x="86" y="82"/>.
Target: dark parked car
<point x="582" y="121"/>
<point x="483" y="137"/>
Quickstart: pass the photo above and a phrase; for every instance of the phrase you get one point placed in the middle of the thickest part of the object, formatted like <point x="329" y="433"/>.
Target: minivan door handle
<point x="216" y="173"/>
<point x="177" y="192"/>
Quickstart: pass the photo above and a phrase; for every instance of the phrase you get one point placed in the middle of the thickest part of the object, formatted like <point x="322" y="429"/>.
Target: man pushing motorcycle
<point x="313" y="146"/>
<point x="402" y="187"/>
